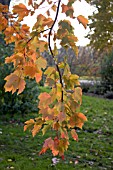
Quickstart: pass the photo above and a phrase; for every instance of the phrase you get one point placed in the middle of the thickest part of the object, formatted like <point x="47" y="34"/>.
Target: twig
<point x="49" y="43"/>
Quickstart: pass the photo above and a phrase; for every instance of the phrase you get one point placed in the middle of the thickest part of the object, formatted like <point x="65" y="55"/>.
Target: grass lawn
<point x="19" y="150"/>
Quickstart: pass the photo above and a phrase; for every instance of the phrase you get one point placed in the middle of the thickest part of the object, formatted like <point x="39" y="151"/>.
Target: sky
<point x="80" y="8"/>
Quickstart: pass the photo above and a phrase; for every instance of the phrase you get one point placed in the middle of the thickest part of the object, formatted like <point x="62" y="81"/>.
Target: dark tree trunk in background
<point x="5" y="2"/>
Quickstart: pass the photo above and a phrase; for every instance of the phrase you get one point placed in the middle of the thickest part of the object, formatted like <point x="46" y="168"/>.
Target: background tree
<point x="107" y="72"/>
<point x="101" y="26"/>
<point x="5" y="2"/>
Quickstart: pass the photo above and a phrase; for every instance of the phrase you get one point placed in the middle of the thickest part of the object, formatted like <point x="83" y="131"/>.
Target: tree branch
<point x="49" y="43"/>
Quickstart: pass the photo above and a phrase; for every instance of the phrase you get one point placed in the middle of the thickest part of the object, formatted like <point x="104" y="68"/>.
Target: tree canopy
<point x="101" y="26"/>
<point x="5" y="2"/>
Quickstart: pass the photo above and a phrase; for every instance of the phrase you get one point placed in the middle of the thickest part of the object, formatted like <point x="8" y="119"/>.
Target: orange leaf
<point x="45" y="100"/>
<point x="3" y="22"/>
<point x="38" y="76"/>
<point x="30" y="70"/>
<point x="82" y="116"/>
<point x="30" y="2"/>
<point x="48" y="144"/>
<point x="64" y="8"/>
<point x="77" y="120"/>
<point x="82" y="20"/>
<point x="74" y="134"/>
<point x="21" y="10"/>
<point x="36" y="129"/>
<point x="13" y="83"/>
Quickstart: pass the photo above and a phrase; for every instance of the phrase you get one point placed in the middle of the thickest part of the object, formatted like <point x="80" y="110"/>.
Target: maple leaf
<point x="74" y="134"/>
<point x="14" y="83"/>
<point x="36" y="129"/>
<point x="77" y="120"/>
<point x="30" y="69"/>
<point x="38" y="76"/>
<point x="45" y="128"/>
<point x="54" y="7"/>
<point x="48" y="144"/>
<point x="30" y="2"/>
<point x="77" y="95"/>
<point x="29" y="124"/>
<point x="61" y="116"/>
<point x="68" y="10"/>
<point x="41" y="63"/>
<point x="64" y="133"/>
<point x="44" y="100"/>
<point x="3" y="22"/>
<point x="21" y="10"/>
<point x="82" y="20"/>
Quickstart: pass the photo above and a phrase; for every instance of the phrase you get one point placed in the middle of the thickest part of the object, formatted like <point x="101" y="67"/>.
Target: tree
<point x="107" y="72"/>
<point x="5" y="2"/>
<point x="59" y="108"/>
<point x="101" y="26"/>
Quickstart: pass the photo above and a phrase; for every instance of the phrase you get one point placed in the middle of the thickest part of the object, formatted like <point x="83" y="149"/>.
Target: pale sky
<point x="80" y="8"/>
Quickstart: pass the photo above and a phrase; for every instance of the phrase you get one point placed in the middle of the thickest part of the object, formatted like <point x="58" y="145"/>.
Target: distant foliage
<point x="101" y="34"/>
<point x="107" y="72"/>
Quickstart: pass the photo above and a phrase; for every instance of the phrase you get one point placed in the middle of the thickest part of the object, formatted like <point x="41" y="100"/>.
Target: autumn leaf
<point x="29" y="124"/>
<point x="21" y="10"/>
<point x="36" y="129"/>
<point x="77" y="120"/>
<point x="30" y="2"/>
<point x="68" y="10"/>
<point x="41" y="63"/>
<point x="54" y="7"/>
<point x="3" y="22"/>
<point x="14" y="83"/>
<point x="48" y="144"/>
<point x="38" y="76"/>
<point x="61" y="116"/>
<point x="45" y="100"/>
<point x="77" y="95"/>
<point x="82" y="20"/>
<point x="45" y="128"/>
<point x="74" y="134"/>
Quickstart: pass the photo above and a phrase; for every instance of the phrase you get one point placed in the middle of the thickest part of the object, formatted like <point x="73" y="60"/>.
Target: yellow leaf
<point x="77" y="95"/>
<point x="29" y="124"/>
<point x="45" y="128"/>
<point x="41" y="63"/>
<point x="82" y="20"/>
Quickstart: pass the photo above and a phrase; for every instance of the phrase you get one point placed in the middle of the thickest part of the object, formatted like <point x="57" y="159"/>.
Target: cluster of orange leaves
<point x="60" y="108"/>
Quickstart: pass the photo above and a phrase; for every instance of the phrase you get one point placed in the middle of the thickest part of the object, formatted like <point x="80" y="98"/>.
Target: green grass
<point x="19" y="150"/>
